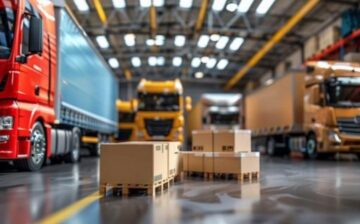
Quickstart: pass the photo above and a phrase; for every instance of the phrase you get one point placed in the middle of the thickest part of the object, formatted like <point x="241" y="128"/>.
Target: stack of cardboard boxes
<point x="138" y="165"/>
<point x="222" y="152"/>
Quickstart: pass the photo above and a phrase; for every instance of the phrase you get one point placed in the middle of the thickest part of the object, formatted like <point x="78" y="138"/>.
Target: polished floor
<point x="289" y="192"/>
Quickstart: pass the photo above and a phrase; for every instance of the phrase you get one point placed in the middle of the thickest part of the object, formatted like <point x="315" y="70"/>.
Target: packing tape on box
<point x="236" y="154"/>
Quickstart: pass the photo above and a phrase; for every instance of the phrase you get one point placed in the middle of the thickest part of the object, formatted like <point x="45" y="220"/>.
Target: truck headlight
<point x="334" y="137"/>
<point x="6" y="122"/>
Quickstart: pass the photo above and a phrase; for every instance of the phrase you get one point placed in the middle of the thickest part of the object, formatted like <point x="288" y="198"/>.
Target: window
<point x="7" y="18"/>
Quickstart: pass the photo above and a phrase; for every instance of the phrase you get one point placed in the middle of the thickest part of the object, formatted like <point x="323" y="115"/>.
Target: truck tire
<point x="94" y="150"/>
<point x="270" y="146"/>
<point x="37" y="150"/>
<point x="311" y="146"/>
<point x="74" y="155"/>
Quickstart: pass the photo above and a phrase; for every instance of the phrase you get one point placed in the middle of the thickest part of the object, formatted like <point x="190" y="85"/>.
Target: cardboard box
<point x="196" y="162"/>
<point x="202" y="140"/>
<point x="184" y="157"/>
<point x="174" y="158"/>
<point x="133" y="163"/>
<point x="208" y="162"/>
<point x="236" y="162"/>
<point x="232" y="141"/>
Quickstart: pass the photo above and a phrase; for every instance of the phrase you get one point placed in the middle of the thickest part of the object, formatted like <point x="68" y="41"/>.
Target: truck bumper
<point x="349" y="143"/>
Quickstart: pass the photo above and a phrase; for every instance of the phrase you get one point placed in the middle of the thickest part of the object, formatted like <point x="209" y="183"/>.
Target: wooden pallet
<point x="240" y="177"/>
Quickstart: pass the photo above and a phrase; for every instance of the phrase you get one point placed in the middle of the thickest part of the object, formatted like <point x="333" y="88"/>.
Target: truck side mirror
<point x="188" y="102"/>
<point x="35" y="35"/>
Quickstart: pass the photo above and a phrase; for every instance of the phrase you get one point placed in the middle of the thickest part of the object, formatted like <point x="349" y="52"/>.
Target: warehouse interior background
<point x="214" y="68"/>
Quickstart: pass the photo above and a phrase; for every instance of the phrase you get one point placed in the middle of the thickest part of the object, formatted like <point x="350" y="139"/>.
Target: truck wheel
<point x="270" y="147"/>
<point x="311" y="146"/>
<point x="74" y="155"/>
<point x="37" y="150"/>
<point x="95" y="150"/>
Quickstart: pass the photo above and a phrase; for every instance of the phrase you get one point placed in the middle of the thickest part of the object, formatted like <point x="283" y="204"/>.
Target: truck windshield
<point x="126" y="117"/>
<point x="224" y="118"/>
<point x="7" y="18"/>
<point x="159" y="102"/>
<point x="343" y="92"/>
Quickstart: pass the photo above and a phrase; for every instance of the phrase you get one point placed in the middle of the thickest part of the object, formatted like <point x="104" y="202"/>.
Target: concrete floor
<point x="288" y="192"/>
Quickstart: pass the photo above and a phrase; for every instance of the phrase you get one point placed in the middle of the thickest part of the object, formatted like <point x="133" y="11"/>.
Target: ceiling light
<point x="232" y="7"/>
<point x="214" y="37"/>
<point x="185" y="3"/>
<point x="245" y="5"/>
<point x="158" y="3"/>
<point x="195" y="62"/>
<point x="160" y="61"/>
<point x="135" y="61"/>
<point x="211" y="63"/>
<point x="222" y="64"/>
<point x="203" y="41"/>
<point x="152" y="61"/>
<point x="221" y="44"/>
<point x="204" y="59"/>
<point x="159" y="40"/>
<point x="177" y="61"/>
<point x="264" y="6"/>
<point x="218" y="5"/>
<point x="236" y="43"/>
<point x="150" y="42"/>
<point x="119" y="4"/>
<point x="199" y="75"/>
<point x="129" y="39"/>
<point x="114" y="63"/>
<point x="145" y="3"/>
<point x="81" y="5"/>
<point x="102" y="41"/>
<point x="179" y="40"/>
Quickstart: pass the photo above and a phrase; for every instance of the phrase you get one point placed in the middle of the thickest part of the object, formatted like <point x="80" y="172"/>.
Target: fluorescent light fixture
<point x="236" y="43"/>
<point x="218" y="5"/>
<point x="245" y="5"/>
<point x="159" y="40"/>
<point x="221" y="44"/>
<point x="185" y="3"/>
<point x="102" y="41"/>
<point x="119" y="4"/>
<point x="177" y="61"/>
<point x="150" y="42"/>
<point x="203" y="41"/>
<point x="160" y="61"/>
<point x="158" y="3"/>
<point x="114" y="63"/>
<point x="269" y="82"/>
<point x="211" y="63"/>
<point x="145" y="3"/>
<point x="214" y="37"/>
<point x="264" y="6"/>
<point x="179" y="40"/>
<point x="129" y="39"/>
<point x="152" y="61"/>
<point x="222" y="64"/>
<point x="204" y="59"/>
<point x="199" y="75"/>
<point x="135" y="61"/>
<point x="195" y="62"/>
<point x="81" y="5"/>
<point x="232" y="7"/>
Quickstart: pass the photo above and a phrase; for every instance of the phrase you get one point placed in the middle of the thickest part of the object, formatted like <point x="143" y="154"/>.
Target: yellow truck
<point x="316" y="112"/>
<point x="161" y="108"/>
<point x="127" y="126"/>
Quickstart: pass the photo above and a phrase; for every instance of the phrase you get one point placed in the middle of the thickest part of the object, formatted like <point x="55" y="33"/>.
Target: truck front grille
<point x="161" y="127"/>
<point x="124" y="134"/>
<point x="349" y="126"/>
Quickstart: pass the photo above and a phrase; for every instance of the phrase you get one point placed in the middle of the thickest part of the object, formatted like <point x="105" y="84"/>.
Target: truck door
<point x="34" y="74"/>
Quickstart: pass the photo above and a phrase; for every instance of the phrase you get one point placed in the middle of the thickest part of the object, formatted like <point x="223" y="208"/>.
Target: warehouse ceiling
<point x="179" y="45"/>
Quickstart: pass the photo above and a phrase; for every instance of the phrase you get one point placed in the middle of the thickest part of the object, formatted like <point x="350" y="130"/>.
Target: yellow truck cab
<point x="127" y="126"/>
<point x="161" y="108"/>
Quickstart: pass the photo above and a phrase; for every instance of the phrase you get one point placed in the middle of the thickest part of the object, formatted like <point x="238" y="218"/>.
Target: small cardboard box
<point x="236" y="162"/>
<point x="184" y="157"/>
<point x="232" y="141"/>
<point x="202" y="140"/>
<point x="208" y="162"/>
<point x="133" y="163"/>
<point x="174" y="158"/>
<point x="196" y="162"/>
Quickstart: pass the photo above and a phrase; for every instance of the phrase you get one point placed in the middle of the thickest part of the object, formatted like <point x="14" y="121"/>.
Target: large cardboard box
<point x="174" y="158"/>
<point x="232" y="141"/>
<point x="133" y="163"/>
<point x="208" y="162"/>
<point x="196" y="162"/>
<point x="202" y="140"/>
<point x="236" y="162"/>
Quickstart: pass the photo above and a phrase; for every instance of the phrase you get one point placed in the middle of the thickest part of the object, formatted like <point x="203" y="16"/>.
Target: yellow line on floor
<point x="71" y="210"/>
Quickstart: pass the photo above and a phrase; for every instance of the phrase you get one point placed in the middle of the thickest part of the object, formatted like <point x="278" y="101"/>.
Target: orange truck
<point x="315" y="112"/>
